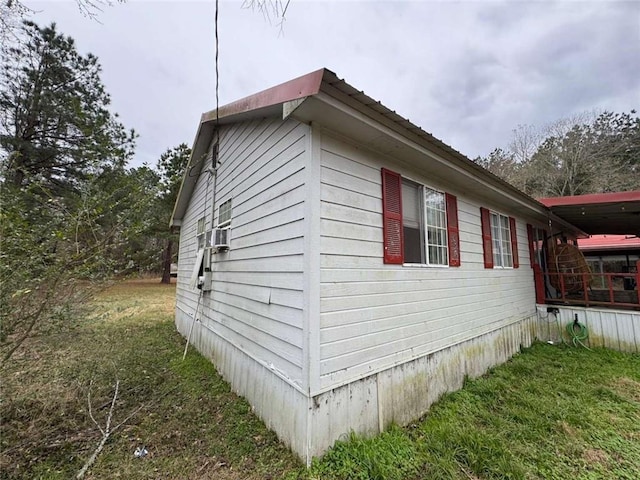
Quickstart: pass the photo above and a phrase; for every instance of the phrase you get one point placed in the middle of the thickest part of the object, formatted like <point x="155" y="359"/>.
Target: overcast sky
<point x="467" y="72"/>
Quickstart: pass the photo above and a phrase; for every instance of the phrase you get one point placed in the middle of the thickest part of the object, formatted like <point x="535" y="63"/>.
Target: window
<point x="502" y="255"/>
<point x="420" y="225"/>
<point x="224" y="214"/>
<point x="200" y="235"/>
<point x="424" y="225"/>
<point x="436" y="226"/>
<point x="499" y="241"/>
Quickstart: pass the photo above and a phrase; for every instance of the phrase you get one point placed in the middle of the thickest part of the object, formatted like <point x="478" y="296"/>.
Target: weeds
<point x="388" y="456"/>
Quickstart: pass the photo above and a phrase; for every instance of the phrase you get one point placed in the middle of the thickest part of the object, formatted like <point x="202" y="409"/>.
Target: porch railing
<point x="618" y="290"/>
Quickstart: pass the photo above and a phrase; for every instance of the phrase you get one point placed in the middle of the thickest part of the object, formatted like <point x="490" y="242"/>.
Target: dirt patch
<point x="627" y="388"/>
<point x="469" y="475"/>
<point x="595" y="456"/>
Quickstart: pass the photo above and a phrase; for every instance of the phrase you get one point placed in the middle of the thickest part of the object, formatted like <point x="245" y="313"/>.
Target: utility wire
<point x="217" y="80"/>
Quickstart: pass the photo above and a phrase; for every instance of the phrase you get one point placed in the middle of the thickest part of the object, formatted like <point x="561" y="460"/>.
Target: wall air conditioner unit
<point x="221" y="239"/>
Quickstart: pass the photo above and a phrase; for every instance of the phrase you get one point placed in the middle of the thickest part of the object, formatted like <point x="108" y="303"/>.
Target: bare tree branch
<point x="106" y="433"/>
<point x="91" y="410"/>
<point x="271" y="10"/>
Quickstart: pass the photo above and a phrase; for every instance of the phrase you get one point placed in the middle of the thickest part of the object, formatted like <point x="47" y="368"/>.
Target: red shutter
<point x="532" y="258"/>
<point x="453" y="234"/>
<point x="539" y="283"/>
<point x="487" y="246"/>
<point x="392" y="217"/>
<point x="514" y="242"/>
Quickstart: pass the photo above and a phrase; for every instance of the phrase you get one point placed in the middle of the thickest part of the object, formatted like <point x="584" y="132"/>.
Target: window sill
<point x="423" y="265"/>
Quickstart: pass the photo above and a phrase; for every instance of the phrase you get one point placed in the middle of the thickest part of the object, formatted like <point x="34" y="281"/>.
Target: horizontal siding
<point x="280" y="223"/>
<point x="256" y="299"/>
<point x="250" y="338"/>
<point x="187" y="250"/>
<point x="291" y="247"/>
<point x="293" y="263"/>
<point x="375" y="316"/>
<point x="278" y="280"/>
<point x="414" y="298"/>
<point x="261" y="294"/>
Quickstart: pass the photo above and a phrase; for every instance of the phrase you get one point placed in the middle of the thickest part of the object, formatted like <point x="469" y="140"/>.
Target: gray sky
<point x="467" y="72"/>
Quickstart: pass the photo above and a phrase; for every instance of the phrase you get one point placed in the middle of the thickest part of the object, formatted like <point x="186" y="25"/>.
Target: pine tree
<point x="55" y="123"/>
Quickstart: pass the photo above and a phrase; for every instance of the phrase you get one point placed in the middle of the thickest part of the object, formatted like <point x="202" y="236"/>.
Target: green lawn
<point x="552" y="412"/>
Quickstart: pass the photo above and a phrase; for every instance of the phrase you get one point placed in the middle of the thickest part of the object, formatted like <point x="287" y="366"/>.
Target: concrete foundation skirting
<point x="309" y="426"/>
<point x="404" y="393"/>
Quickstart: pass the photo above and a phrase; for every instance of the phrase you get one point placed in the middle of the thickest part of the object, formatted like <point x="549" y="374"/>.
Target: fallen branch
<point x="107" y="431"/>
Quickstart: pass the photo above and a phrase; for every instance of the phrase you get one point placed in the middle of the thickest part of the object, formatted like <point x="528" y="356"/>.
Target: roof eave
<point x="301" y="87"/>
<point x="321" y="82"/>
<point x="200" y="144"/>
<point x="339" y="89"/>
<point x="412" y="134"/>
<point x="266" y="103"/>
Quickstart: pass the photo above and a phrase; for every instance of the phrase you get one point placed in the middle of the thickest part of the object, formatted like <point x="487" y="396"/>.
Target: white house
<point x="342" y="267"/>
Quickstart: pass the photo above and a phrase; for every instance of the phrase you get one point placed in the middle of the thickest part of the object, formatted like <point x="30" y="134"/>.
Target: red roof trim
<point x="591" y="199"/>
<point x="300" y="87"/>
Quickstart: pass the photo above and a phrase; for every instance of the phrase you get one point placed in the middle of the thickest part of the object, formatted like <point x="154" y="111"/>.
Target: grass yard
<point x="551" y="412"/>
<point x="191" y="424"/>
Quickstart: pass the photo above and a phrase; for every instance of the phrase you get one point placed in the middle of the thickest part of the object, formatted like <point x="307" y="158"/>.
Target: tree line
<point x="72" y="213"/>
<point x="587" y="153"/>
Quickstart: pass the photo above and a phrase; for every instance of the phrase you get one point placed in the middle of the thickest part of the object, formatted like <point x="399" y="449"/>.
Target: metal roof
<point x="609" y="242"/>
<point x="322" y="84"/>
<point x="325" y="80"/>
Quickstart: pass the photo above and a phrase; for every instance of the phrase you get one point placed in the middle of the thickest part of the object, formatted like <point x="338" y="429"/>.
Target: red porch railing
<point x="620" y="290"/>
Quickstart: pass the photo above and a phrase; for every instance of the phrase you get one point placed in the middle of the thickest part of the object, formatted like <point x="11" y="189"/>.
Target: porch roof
<point x="601" y="213"/>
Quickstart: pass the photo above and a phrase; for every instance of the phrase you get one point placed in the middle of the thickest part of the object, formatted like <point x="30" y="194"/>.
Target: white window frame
<point x="200" y="232"/>
<point x="225" y="208"/>
<point x="501" y="247"/>
<point x="425" y="224"/>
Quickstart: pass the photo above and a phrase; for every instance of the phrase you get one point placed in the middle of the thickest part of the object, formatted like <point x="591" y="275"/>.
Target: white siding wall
<point x="257" y="300"/>
<point x="282" y="407"/>
<point x="375" y="316"/>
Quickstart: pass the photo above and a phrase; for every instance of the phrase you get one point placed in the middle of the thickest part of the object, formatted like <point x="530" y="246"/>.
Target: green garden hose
<point x="577" y="332"/>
